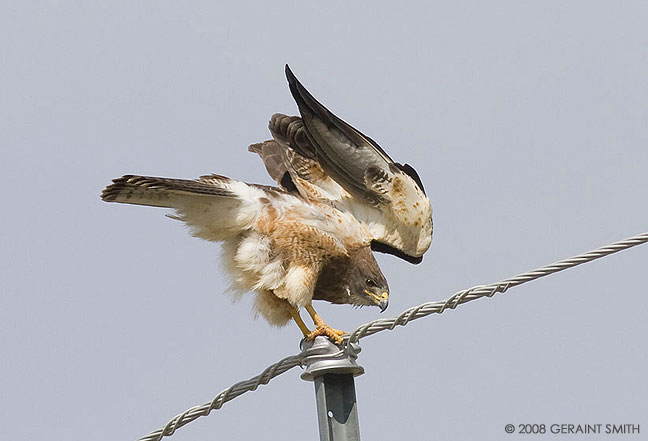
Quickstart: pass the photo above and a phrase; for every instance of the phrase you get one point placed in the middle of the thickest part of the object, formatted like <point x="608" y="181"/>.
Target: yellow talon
<point x="321" y="328"/>
<point x="325" y="330"/>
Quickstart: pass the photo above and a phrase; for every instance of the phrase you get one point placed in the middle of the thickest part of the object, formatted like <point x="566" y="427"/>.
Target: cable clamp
<point x="321" y="356"/>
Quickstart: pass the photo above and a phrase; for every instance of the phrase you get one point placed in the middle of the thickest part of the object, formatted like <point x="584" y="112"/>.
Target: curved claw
<point x="326" y="330"/>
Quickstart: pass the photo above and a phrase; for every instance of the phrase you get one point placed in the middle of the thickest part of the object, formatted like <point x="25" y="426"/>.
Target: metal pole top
<point x="324" y="357"/>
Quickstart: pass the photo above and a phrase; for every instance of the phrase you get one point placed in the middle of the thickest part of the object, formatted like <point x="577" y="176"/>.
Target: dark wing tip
<point x="381" y="247"/>
<point x="292" y="82"/>
<point x="306" y="102"/>
<point x="110" y="193"/>
<point x="289" y="74"/>
<point x="409" y="170"/>
<point x="107" y="194"/>
<point x="297" y="89"/>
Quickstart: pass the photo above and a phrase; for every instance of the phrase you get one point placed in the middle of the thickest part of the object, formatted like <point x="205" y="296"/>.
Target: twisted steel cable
<point x="376" y="326"/>
<point x="226" y="395"/>
<point x="480" y="291"/>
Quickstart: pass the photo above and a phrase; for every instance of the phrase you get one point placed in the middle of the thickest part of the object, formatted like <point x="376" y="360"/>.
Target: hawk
<point x="339" y="197"/>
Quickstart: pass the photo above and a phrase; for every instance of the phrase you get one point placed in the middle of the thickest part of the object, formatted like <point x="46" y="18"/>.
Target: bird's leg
<point x="321" y="328"/>
<point x="297" y="318"/>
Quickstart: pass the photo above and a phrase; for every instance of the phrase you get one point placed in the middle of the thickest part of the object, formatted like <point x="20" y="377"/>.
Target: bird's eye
<point x="371" y="282"/>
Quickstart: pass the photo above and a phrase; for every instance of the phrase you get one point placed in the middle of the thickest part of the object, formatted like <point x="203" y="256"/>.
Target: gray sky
<point x="525" y="120"/>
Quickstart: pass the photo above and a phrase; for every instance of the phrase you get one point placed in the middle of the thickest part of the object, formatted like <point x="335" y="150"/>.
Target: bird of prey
<point x="339" y="197"/>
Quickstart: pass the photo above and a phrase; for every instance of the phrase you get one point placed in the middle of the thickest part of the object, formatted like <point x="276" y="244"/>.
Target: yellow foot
<point x="333" y="334"/>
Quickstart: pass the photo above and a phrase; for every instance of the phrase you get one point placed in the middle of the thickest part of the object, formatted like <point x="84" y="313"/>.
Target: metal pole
<point x="337" y="410"/>
<point x="332" y="371"/>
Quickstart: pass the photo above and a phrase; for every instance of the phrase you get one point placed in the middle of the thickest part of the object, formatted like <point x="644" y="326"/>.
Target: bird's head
<point x="356" y="280"/>
<point x="375" y="292"/>
<point x="367" y="283"/>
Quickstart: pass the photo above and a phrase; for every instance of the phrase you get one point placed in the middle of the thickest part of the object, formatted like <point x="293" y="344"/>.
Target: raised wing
<point x="343" y="152"/>
<point x="327" y="159"/>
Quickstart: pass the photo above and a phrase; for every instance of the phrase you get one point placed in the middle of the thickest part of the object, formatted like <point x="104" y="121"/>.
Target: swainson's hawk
<point x="340" y="196"/>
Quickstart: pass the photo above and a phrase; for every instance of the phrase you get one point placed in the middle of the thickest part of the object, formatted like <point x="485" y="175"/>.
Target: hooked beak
<point x="382" y="300"/>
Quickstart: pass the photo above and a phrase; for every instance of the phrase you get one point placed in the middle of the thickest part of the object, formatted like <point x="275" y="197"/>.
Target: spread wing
<point x="214" y="206"/>
<point x="321" y="157"/>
